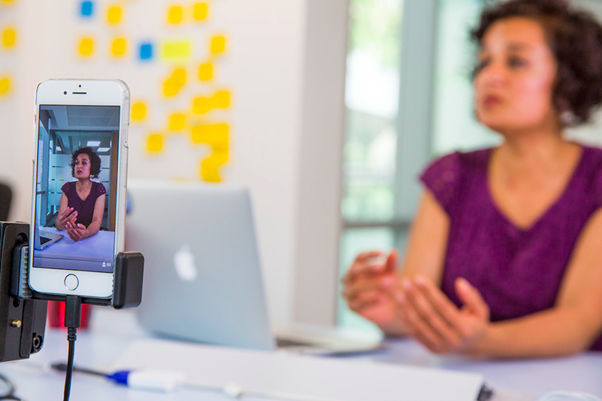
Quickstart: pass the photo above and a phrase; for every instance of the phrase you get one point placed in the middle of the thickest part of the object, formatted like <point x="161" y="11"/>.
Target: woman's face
<point x="82" y="166"/>
<point x="515" y="78"/>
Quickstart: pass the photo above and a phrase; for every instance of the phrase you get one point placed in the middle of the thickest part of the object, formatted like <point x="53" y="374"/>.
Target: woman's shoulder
<point x="67" y="187"/>
<point x="99" y="188"/>
<point x="458" y="163"/>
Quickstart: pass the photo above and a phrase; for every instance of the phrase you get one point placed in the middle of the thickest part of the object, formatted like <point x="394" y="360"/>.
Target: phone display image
<point x="76" y="187"/>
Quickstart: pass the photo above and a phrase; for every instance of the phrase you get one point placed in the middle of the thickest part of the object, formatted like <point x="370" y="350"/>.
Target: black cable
<point x="10" y="392"/>
<point x="72" y="322"/>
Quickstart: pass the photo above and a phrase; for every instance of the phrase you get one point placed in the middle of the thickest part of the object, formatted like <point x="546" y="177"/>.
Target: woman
<point x="82" y="201"/>
<point x="503" y="259"/>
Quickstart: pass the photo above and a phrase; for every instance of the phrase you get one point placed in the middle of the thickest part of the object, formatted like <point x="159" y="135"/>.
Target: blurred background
<point x="326" y="110"/>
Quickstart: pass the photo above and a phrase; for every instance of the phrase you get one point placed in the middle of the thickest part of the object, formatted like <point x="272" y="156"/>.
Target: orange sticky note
<point x="201" y="105"/>
<point x="118" y="47"/>
<point x="200" y="11"/>
<point x="218" y="44"/>
<point x="86" y="46"/>
<point x="138" y="111"/>
<point x="5" y="85"/>
<point x="221" y="99"/>
<point x="206" y="72"/>
<point x="175" y="14"/>
<point x="114" y="15"/>
<point x="177" y="122"/>
<point x="154" y="143"/>
<point x="9" y="37"/>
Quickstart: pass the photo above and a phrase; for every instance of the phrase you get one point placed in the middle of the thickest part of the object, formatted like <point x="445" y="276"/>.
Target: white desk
<point x="106" y="342"/>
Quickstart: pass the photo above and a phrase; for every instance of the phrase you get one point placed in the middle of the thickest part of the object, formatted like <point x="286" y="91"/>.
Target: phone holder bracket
<point x="23" y="311"/>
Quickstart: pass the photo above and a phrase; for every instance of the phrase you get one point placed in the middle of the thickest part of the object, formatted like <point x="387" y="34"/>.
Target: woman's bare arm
<point x="575" y="321"/>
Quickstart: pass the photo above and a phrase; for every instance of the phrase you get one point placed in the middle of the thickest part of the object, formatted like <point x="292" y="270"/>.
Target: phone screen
<point x="76" y="187"/>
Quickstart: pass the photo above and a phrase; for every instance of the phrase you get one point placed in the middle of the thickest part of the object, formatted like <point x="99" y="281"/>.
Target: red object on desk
<point x="56" y="314"/>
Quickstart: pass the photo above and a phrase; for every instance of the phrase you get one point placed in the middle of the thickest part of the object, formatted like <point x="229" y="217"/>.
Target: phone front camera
<point x="64" y="93"/>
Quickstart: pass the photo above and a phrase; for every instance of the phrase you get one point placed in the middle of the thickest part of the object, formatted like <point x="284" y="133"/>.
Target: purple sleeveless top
<point x="518" y="271"/>
<point x="84" y="208"/>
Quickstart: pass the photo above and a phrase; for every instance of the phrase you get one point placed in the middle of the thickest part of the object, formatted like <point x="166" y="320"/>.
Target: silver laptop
<point x="43" y="239"/>
<point x="202" y="278"/>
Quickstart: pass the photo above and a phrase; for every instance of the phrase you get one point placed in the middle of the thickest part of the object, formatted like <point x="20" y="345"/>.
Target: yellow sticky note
<point x="138" y="111"/>
<point x="206" y="72"/>
<point x="210" y="166"/>
<point x="214" y="135"/>
<point x="170" y="87"/>
<point x="154" y="143"/>
<point x="86" y="47"/>
<point x="201" y="105"/>
<point x="114" y="15"/>
<point x="218" y="44"/>
<point x="8" y="1"/>
<point x="175" y="14"/>
<point x="9" y="37"/>
<point x="200" y="11"/>
<point x="5" y="85"/>
<point x="179" y="50"/>
<point x="221" y="99"/>
<point x="179" y="76"/>
<point x="118" y="47"/>
<point x="177" y="122"/>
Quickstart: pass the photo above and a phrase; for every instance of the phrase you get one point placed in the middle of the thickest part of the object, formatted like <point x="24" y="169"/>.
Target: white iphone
<point x="80" y="166"/>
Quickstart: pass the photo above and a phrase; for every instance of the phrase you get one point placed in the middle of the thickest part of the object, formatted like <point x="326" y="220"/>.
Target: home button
<point x="71" y="282"/>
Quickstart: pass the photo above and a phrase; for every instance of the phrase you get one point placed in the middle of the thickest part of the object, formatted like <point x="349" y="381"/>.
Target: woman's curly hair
<point x="575" y="38"/>
<point x="94" y="161"/>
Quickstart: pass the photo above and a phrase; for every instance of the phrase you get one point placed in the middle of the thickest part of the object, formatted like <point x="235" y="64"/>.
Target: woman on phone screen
<point x="82" y="201"/>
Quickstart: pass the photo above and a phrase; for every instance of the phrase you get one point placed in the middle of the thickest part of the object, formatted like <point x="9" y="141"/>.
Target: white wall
<point x="264" y="68"/>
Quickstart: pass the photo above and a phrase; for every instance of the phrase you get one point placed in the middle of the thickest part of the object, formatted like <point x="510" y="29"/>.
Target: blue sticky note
<point x="87" y="8"/>
<point x="146" y="51"/>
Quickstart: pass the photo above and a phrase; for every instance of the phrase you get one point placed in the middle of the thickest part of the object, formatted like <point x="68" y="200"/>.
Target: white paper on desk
<point x="269" y="372"/>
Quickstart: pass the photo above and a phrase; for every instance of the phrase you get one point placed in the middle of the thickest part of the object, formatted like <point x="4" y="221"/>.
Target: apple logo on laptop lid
<point x="184" y="263"/>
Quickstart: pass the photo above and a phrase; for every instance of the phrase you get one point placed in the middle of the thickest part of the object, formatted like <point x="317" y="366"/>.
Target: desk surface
<point x="112" y="332"/>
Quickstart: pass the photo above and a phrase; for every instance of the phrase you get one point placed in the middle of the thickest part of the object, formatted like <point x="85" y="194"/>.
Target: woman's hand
<point x="369" y="288"/>
<point x="432" y="319"/>
<point x="76" y="232"/>
<point x="66" y="216"/>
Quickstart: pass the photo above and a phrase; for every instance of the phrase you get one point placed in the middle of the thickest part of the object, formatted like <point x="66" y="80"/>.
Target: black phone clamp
<point x="23" y="311"/>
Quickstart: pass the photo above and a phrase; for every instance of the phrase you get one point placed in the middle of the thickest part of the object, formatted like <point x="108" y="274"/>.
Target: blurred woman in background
<point x="503" y="257"/>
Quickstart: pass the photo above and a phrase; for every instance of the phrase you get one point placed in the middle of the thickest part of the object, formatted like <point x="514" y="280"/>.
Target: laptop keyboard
<point x="44" y="240"/>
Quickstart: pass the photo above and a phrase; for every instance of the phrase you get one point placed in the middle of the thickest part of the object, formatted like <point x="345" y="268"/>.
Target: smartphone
<point x="80" y="172"/>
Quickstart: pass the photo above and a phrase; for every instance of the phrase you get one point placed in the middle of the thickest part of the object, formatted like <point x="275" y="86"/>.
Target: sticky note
<point x="218" y="44"/>
<point x="206" y="72"/>
<point x="146" y="51"/>
<point x="154" y="143"/>
<point x="201" y="105"/>
<point x="170" y="87"/>
<point x="8" y="1"/>
<point x="210" y="166"/>
<point x="200" y="11"/>
<point x="138" y="111"/>
<point x="86" y="47"/>
<point x="177" y="122"/>
<point x="214" y="135"/>
<point x="221" y="99"/>
<point x="5" y="85"/>
<point x="118" y="47"/>
<point x="86" y="9"/>
<point x="114" y="15"/>
<point x="179" y="75"/>
<point x="179" y="50"/>
<point x="175" y="14"/>
<point x="9" y="37"/>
